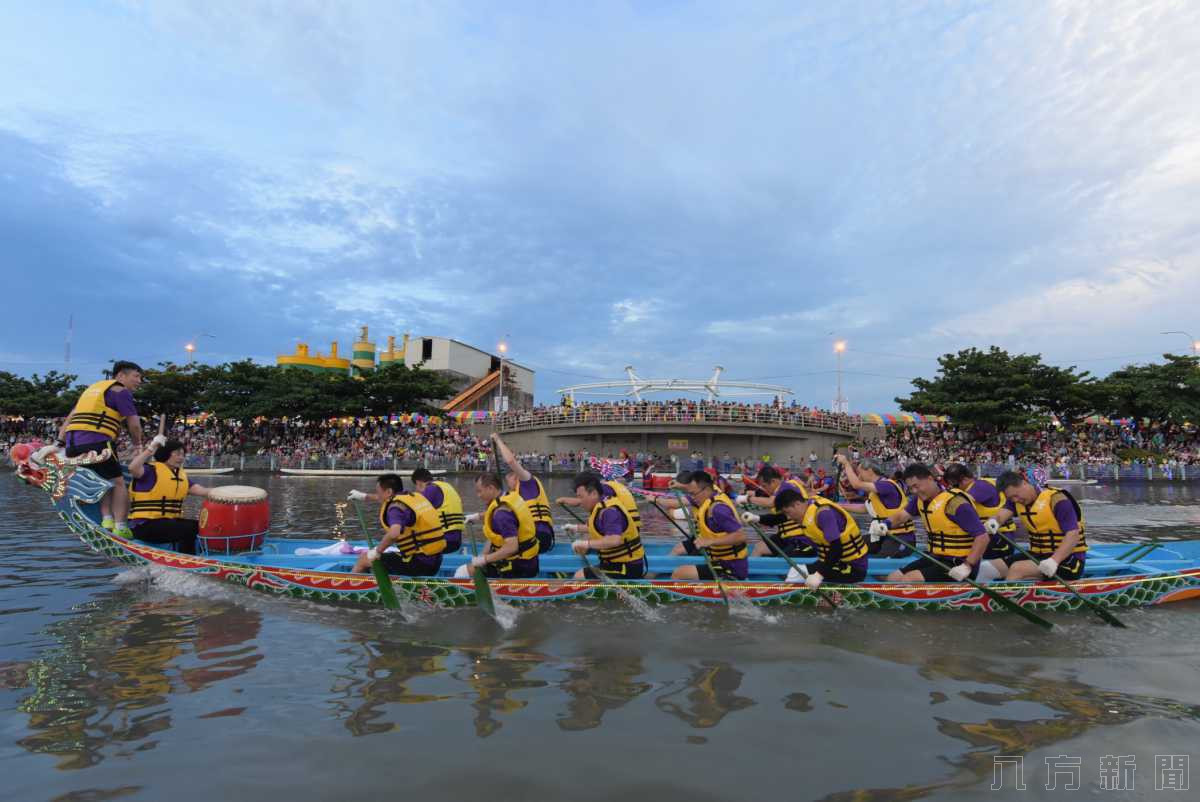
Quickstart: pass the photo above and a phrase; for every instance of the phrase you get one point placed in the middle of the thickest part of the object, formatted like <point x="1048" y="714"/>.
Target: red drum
<point x="234" y="518"/>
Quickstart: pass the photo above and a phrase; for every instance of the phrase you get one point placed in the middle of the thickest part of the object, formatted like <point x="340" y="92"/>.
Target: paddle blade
<point x="483" y="593"/>
<point x="387" y="593"/>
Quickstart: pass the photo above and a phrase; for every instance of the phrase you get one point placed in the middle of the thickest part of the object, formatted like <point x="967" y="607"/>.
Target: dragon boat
<point x="1116" y="575"/>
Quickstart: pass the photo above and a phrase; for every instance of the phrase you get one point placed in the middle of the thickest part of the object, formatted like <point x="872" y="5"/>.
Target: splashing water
<point x="506" y="614"/>
<point x="742" y="607"/>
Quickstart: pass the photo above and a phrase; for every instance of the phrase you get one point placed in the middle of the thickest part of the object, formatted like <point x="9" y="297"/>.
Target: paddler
<point x="615" y="487"/>
<point x="508" y="525"/>
<point x="610" y="530"/>
<point x="841" y="550"/>
<point x="988" y="501"/>
<point x="718" y="531"/>
<point x="446" y="500"/>
<point x="884" y="497"/>
<point x="157" y="493"/>
<point x="532" y="490"/>
<point x="788" y="535"/>
<point x="956" y="535"/>
<point x="1054" y="521"/>
<point x="411" y="524"/>
<point x="94" y="424"/>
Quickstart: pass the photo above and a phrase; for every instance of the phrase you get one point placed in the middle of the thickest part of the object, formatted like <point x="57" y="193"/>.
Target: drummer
<point x="520" y="480"/>
<point x="411" y="524"/>
<point x="157" y="493"/>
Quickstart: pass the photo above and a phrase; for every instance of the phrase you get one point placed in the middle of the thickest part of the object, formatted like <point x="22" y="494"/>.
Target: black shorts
<point x="630" y="570"/>
<point x="109" y="468"/>
<point x="727" y="569"/>
<point x="792" y="546"/>
<point x="932" y="572"/>
<point x="840" y="572"/>
<point x="453" y="541"/>
<point x="415" y="565"/>
<point x="1000" y="549"/>
<point x="512" y="569"/>
<point x="179" y="532"/>
<point x="886" y="547"/>
<point x="1070" y="568"/>
<point x="545" y="538"/>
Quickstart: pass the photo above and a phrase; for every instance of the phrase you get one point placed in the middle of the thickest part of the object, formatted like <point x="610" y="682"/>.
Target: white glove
<point x="478" y="562"/>
<point x="877" y="530"/>
<point x="356" y="495"/>
<point x="992" y="526"/>
<point x="372" y="554"/>
<point x="571" y="528"/>
<point x="1048" y="567"/>
<point x="678" y="514"/>
<point x="158" y="441"/>
<point x="960" y="572"/>
<point x="814" y="580"/>
<point x="796" y="575"/>
<point x="741" y="499"/>
<point x="581" y="546"/>
<point x="750" y="517"/>
<point x="472" y="518"/>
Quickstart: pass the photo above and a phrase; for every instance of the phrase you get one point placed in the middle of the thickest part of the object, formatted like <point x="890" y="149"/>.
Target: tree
<point x="994" y="389"/>
<point x="51" y="395"/>
<point x="399" y="388"/>
<point x="170" y="389"/>
<point x="238" y="390"/>
<point x="1168" y="392"/>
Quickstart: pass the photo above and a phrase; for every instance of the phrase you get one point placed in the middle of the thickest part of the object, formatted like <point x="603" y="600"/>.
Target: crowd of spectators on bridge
<point x="680" y="410"/>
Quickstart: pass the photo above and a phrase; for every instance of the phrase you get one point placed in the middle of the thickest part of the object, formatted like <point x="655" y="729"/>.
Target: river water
<point x="120" y="684"/>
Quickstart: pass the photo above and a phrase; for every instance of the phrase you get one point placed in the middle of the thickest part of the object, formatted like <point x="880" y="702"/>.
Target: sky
<point x="665" y="184"/>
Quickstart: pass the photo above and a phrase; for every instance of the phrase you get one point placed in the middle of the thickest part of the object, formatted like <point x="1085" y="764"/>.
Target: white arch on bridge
<point x="713" y="387"/>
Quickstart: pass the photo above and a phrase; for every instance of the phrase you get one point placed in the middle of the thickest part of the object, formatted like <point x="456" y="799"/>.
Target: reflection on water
<point x="106" y="678"/>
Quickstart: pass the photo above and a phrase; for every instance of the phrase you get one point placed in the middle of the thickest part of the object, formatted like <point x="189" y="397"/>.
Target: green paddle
<point x="387" y="593"/>
<point x="1003" y="601"/>
<point x="595" y="569"/>
<point x="1096" y="608"/>
<point x="483" y="591"/>
<point x="776" y="548"/>
<point x="691" y="535"/>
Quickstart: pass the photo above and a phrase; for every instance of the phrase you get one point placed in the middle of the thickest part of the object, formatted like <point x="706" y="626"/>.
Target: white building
<point x="473" y="372"/>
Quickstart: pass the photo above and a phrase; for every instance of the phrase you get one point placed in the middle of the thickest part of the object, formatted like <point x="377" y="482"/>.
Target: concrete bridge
<point x="744" y="432"/>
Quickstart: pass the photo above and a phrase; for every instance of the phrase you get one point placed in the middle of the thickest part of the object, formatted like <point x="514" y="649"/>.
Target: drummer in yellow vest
<point x="956" y="535"/>
<point x="512" y="543"/>
<point x="95" y="424"/>
<point x="610" y="530"/>
<point x="988" y="501"/>
<point x="157" y="493"/>
<point x="841" y="550"/>
<point x="885" y="496"/>
<point x="1054" y="521"/>
<point x="446" y="501"/>
<point x="530" y="488"/>
<point x="410" y="524"/>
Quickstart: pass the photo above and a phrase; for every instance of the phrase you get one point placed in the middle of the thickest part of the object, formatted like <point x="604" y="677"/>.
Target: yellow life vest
<point x="165" y="497"/>
<point x="451" y="511"/>
<point x="737" y="552"/>
<point x="425" y="536"/>
<point x="853" y="546"/>
<point x="628" y="502"/>
<point x="92" y="414"/>
<point x="946" y="538"/>
<point x="527" y="542"/>
<point x="990" y="512"/>
<point x="1045" y="533"/>
<point x="880" y="511"/>
<point x="539" y="505"/>
<point x="790" y="528"/>
<point x="630" y="549"/>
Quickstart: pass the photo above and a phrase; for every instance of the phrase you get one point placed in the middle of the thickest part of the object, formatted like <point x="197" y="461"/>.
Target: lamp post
<point x="1195" y="342"/>
<point x="502" y="347"/>
<point x="191" y="346"/>
<point x="840" y="404"/>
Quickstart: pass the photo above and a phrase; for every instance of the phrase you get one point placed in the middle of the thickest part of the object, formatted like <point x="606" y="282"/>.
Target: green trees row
<point x="241" y="391"/>
<point x="1004" y="391"/>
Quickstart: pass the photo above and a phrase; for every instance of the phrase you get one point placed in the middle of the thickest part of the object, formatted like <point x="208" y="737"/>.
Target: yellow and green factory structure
<point x="362" y="357"/>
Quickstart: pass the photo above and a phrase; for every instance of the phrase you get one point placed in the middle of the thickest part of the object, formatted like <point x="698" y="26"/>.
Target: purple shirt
<point x="722" y="518"/>
<point x="984" y="493"/>
<point x="959" y="510"/>
<point x="529" y="490"/>
<point x="117" y="397"/>
<point x="1064" y="513"/>
<point x="434" y="495"/>
<point x="143" y="483"/>
<point x="504" y="523"/>
<point x="888" y="493"/>
<point x="400" y="514"/>
<point x="831" y="523"/>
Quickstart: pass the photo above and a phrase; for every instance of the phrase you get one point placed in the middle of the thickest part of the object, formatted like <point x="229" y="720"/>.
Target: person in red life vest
<point x="157" y="494"/>
<point x="825" y="485"/>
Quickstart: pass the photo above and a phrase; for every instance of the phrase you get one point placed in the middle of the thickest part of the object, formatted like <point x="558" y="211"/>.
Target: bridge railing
<point x="526" y="420"/>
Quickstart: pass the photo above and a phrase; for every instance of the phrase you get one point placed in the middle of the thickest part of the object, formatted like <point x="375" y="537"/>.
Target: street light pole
<point x="503" y="349"/>
<point x="1195" y="342"/>
<point x="840" y="405"/>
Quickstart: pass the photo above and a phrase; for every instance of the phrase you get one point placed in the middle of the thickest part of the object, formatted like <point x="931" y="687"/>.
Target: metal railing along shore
<point x="526" y="420"/>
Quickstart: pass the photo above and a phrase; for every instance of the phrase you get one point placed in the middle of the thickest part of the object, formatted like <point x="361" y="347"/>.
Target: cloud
<point x="633" y="311"/>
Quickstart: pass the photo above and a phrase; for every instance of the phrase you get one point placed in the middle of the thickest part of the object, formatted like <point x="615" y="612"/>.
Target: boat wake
<point x="742" y="607"/>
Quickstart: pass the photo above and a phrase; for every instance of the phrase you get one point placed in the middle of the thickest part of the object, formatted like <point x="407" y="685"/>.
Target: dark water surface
<point x="120" y="684"/>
